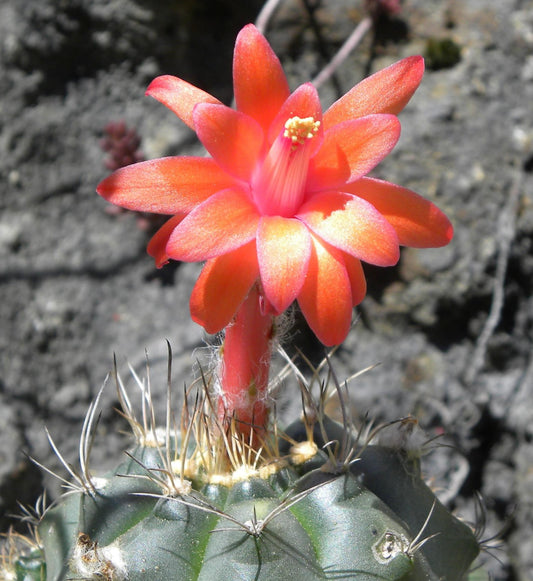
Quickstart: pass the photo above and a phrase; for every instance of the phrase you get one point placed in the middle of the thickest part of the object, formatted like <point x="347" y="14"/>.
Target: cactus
<point x="316" y="501"/>
<point x="281" y="212"/>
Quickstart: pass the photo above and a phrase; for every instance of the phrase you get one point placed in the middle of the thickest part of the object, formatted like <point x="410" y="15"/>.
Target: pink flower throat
<point x="278" y="184"/>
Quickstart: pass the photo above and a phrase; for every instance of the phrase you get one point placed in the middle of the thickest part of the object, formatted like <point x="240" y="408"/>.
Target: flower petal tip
<point x="179" y="96"/>
<point x="259" y="82"/>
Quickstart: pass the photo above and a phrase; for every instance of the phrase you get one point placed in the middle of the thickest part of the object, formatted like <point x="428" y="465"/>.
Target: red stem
<point x="245" y="367"/>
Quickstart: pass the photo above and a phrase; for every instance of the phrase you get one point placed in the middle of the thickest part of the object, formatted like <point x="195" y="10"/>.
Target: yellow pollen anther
<point x="298" y="129"/>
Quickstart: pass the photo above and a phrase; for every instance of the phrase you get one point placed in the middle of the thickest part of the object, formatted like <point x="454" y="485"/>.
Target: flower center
<point x="298" y="130"/>
<point x="278" y="184"/>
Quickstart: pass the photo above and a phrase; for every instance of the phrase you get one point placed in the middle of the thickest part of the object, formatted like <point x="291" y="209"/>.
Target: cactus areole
<point x="281" y="211"/>
<point x="300" y="517"/>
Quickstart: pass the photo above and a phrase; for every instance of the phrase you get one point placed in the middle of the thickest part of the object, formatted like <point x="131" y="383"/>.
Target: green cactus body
<point x="298" y="517"/>
<point x="177" y="541"/>
<point x="198" y="504"/>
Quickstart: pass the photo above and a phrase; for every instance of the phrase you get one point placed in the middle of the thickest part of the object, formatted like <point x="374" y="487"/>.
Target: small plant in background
<point x="281" y="211"/>
<point x="123" y="146"/>
<point x="442" y="53"/>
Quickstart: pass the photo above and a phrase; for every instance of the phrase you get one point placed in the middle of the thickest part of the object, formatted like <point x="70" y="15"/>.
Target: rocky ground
<point x="451" y="328"/>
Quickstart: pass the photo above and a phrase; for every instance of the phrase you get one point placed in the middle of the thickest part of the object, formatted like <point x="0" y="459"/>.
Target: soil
<point x="452" y="329"/>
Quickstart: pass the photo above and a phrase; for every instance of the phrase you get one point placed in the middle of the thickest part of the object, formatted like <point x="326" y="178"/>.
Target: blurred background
<point x="452" y="329"/>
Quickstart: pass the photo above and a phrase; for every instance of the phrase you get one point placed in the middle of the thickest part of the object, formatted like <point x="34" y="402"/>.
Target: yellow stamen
<point x="298" y="129"/>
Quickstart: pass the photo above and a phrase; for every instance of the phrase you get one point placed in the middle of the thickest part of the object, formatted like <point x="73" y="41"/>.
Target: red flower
<point x="283" y="200"/>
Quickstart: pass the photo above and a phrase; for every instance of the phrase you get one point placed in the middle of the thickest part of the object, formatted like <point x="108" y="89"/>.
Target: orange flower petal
<point x="232" y="138"/>
<point x="222" y="286"/>
<point x="351" y="149"/>
<point x="179" y="96"/>
<point x="326" y="297"/>
<point x="387" y="91"/>
<point x="221" y="224"/>
<point x="304" y="102"/>
<point x="259" y="82"/>
<point x="354" y="268"/>
<point x="169" y="185"/>
<point x="157" y="245"/>
<point x="283" y="250"/>
<point x="417" y="221"/>
<point x="352" y="225"/>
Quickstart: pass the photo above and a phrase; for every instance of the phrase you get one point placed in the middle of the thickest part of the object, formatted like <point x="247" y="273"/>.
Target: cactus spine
<point x="199" y="503"/>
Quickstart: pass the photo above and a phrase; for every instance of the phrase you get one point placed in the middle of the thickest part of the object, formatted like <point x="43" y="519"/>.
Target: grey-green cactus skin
<point x="395" y="477"/>
<point x="370" y="519"/>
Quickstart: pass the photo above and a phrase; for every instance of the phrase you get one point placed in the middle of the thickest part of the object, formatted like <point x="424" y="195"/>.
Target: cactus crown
<point x="173" y="490"/>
